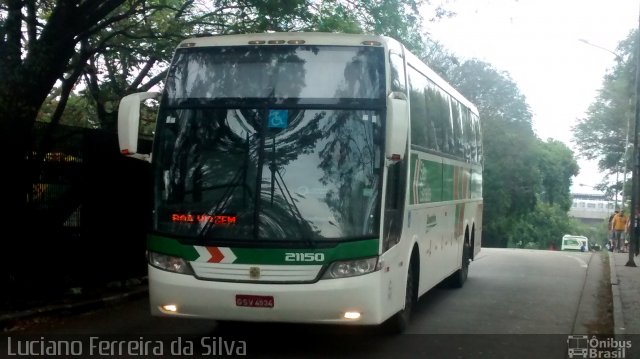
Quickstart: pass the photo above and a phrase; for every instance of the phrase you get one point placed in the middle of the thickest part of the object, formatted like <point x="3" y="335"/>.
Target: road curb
<point x="618" y="317"/>
<point x="7" y="320"/>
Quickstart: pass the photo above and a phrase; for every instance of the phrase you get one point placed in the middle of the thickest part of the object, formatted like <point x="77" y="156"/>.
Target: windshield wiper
<point x="239" y="179"/>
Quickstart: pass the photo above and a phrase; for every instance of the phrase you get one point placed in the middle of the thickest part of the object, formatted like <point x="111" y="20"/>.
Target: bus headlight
<point x="351" y="268"/>
<point x="169" y="263"/>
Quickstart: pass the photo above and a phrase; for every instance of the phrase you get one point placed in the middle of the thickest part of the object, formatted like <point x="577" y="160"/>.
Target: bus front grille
<point x="256" y="272"/>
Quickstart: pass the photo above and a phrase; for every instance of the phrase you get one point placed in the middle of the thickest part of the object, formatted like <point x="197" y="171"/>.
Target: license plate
<point x="256" y="301"/>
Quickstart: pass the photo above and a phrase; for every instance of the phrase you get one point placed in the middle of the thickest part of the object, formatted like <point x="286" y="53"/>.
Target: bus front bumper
<point x="325" y="301"/>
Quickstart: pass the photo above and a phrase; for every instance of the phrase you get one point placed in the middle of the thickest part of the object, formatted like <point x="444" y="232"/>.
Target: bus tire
<point x="399" y="322"/>
<point x="457" y="279"/>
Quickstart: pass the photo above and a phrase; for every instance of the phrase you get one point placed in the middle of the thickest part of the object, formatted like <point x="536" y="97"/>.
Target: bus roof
<point x="309" y="38"/>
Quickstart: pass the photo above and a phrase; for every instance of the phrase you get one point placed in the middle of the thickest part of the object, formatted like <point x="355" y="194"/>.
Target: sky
<point x="537" y="42"/>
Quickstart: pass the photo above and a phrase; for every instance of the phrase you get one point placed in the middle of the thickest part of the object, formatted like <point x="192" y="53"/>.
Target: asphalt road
<point x="515" y="304"/>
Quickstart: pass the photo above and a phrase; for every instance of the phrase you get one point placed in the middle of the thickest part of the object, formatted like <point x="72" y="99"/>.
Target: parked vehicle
<point x="574" y="243"/>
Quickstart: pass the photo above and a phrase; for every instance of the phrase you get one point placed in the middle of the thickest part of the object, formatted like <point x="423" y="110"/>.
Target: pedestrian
<point x="611" y="232"/>
<point x="619" y="225"/>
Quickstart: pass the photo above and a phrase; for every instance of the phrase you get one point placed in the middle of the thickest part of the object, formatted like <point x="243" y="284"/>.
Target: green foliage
<point x="334" y="17"/>
<point x="78" y="112"/>
<point x="602" y="134"/>
<point x="131" y="54"/>
<point x="557" y="166"/>
<point x="543" y="228"/>
<point x="438" y="58"/>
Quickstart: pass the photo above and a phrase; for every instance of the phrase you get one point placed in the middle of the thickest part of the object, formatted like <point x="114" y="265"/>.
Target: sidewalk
<point x="625" y="287"/>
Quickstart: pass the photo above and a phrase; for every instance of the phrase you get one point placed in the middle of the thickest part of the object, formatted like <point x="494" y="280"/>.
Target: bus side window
<point x="398" y="83"/>
<point x="478" y="132"/>
<point x="469" y="137"/>
<point x="458" y="146"/>
<point x="394" y="204"/>
<point x="448" y="124"/>
<point x="438" y="105"/>
<point x="420" y="132"/>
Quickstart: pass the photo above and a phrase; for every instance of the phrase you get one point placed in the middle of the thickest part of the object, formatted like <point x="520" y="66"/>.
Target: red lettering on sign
<point x="176" y="217"/>
<point x="215" y="219"/>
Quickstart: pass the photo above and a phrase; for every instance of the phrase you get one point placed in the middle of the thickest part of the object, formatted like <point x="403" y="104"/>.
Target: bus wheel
<point x="399" y="322"/>
<point x="458" y="278"/>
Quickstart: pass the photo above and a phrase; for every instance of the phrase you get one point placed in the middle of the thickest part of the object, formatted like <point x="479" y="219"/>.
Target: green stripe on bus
<point x="426" y="181"/>
<point x="447" y="182"/>
<point x="347" y="250"/>
<point x="342" y="251"/>
<point x="433" y="181"/>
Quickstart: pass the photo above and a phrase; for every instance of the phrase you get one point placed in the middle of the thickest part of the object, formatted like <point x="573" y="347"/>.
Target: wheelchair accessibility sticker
<point x="278" y="119"/>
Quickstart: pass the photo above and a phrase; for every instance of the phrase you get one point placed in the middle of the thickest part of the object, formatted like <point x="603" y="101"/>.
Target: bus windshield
<point x="232" y="163"/>
<point x="307" y="74"/>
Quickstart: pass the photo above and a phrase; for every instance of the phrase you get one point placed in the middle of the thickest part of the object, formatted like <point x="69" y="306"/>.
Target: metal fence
<point x="91" y="208"/>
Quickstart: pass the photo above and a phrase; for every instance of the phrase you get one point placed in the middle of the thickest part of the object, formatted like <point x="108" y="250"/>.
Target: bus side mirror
<point x="397" y="127"/>
<point x="129" y="123"/>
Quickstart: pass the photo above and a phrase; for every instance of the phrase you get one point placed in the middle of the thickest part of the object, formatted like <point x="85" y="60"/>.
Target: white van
<point x="574" y="243"/>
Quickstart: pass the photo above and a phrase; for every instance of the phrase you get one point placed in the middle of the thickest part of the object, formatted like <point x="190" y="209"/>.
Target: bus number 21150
<point x="304" y="257"/>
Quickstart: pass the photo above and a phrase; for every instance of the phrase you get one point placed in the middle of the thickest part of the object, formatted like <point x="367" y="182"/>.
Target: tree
<point x="557" y="166"/>
<point x="544" y="227"/>
<point x="545" y="224"/>
<point x="602" y="134"/>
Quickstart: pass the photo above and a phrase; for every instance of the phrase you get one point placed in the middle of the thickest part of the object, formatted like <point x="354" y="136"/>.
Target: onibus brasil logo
<point x="581" y="346"/>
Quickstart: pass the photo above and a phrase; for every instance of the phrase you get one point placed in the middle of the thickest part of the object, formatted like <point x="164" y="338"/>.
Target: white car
<point x="574" y="243"/>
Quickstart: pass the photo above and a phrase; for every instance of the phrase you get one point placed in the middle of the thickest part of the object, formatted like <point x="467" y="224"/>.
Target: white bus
<point x="307" y="177"/>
